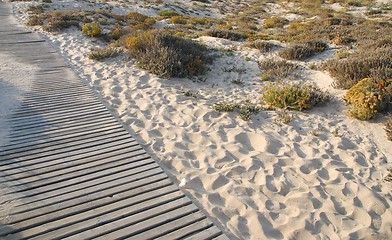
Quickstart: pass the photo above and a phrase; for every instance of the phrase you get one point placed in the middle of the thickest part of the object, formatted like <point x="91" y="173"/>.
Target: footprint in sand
<point x="251" y="141"/>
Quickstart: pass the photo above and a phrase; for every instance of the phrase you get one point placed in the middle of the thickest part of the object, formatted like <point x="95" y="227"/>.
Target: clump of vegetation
<point x="167" y="55"/>
<point x="91" y="29"/>
<point x="368" y="62"/>
<point x="277" y="68"/>
<point x="104" y="52"/>
<point x="168" y="13"/>
<point x="58" y="20"/>
<point x="35" y="9"/>
<point x="190" y="93"/>
<point x="117" y="32"/>
<point x="388" y="130"/>
<point x="302" y="51"/>
<point x="283" y="117"/>
<point x="136" y="17"/>
<point x="275" y="22"/>
<point x="244" y="109"/>
<point x="368" y="97"/>
<point x="388" y="178"/>
<point x="234" y="36"/>
<point x="262" y="46"/>
<point x="177" y="20"/>
<point x="293" y="96"/>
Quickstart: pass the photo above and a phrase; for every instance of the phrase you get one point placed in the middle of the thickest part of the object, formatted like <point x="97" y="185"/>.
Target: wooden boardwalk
<point x="71" y="171"/>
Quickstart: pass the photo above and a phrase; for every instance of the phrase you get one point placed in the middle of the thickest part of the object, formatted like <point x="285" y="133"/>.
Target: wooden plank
<point x="103" y="187"/>
<point x="53" y="189"/>
<point x="91" y="201"/>
<point x="66" y="121"/>
<point x="175" y="222"/>
<point x="209" y="233"/>
<point x="49" y="141"/>
<point x="141" y="229"/>
<point x="58" y="132"/>
<point x="33" y="178"/>
<point x="23" y="150"/>
<point x="42" y="228"/>
<point x="52" y="150"/>
<point x="37" y="123"/>
<point x="190" y="229"/>
<point x="65" y="152"/>
<point x="126" y="220"/>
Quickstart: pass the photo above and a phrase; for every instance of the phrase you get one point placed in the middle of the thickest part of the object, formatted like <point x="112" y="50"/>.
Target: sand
<point x="318" y="177"/>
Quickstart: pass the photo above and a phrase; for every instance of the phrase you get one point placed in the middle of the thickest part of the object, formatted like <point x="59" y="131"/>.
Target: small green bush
<point x="277" y="68"/>
<point x="167" y="55"/>
<point x="178" y="20"/>
<point x="296" y="52"/>
<point x="245" y="109"/>
<point x="262" y="46"/>
<point x="91" y="29"/>
<point x="105" y="52"/>
<point x="302" y="51"/>
<point x="369" y="97"/>
<point x="275" y="22"/>
<point x="226" y="34"/>
<point x="137" y="17"/>
<point x="168" y="13"/>
<point x="293" y="96"/>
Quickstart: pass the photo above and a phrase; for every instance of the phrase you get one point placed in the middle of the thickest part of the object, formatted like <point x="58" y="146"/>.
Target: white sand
<point x="319" y="177"/>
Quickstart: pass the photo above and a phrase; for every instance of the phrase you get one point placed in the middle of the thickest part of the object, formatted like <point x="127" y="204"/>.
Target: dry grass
<point x="262" y="46"/>
<point x="234" y="36"/>
<point x="303" y="51"/>
<point x="105" y="52"/>
<point x="367" y="62"/>
<point x="277" y="68"/>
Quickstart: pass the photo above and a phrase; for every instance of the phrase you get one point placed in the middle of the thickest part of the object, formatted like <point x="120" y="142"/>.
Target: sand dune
<point x="318" y="177"/>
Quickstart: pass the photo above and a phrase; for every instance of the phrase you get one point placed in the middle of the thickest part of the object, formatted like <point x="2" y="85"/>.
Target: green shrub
<point x="58" y="20"/>
<point x="262" y="46"/>
<point x="277" y="68"/>
<point x="178" y="20"/>
<point x="302" y="51"/>
<point x="296" y="52"/>
<point x="35" y="9"/>
<point x="137" y="17"/>
<point x="244" y="109"/>
<point x="168" y="13"/>
<point x="369" y="97"/>
<point x="91" y="29"/>
<point x="369" y="62"/>
<point x="275" y="22"/>
<point x="167" y="55"/>
<point x="293" y="96"/>
<point x="226" y="34"/>
<point x="388" y="130"/>
<point x="105" y="52"/>
<point x="117" y="32"/>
